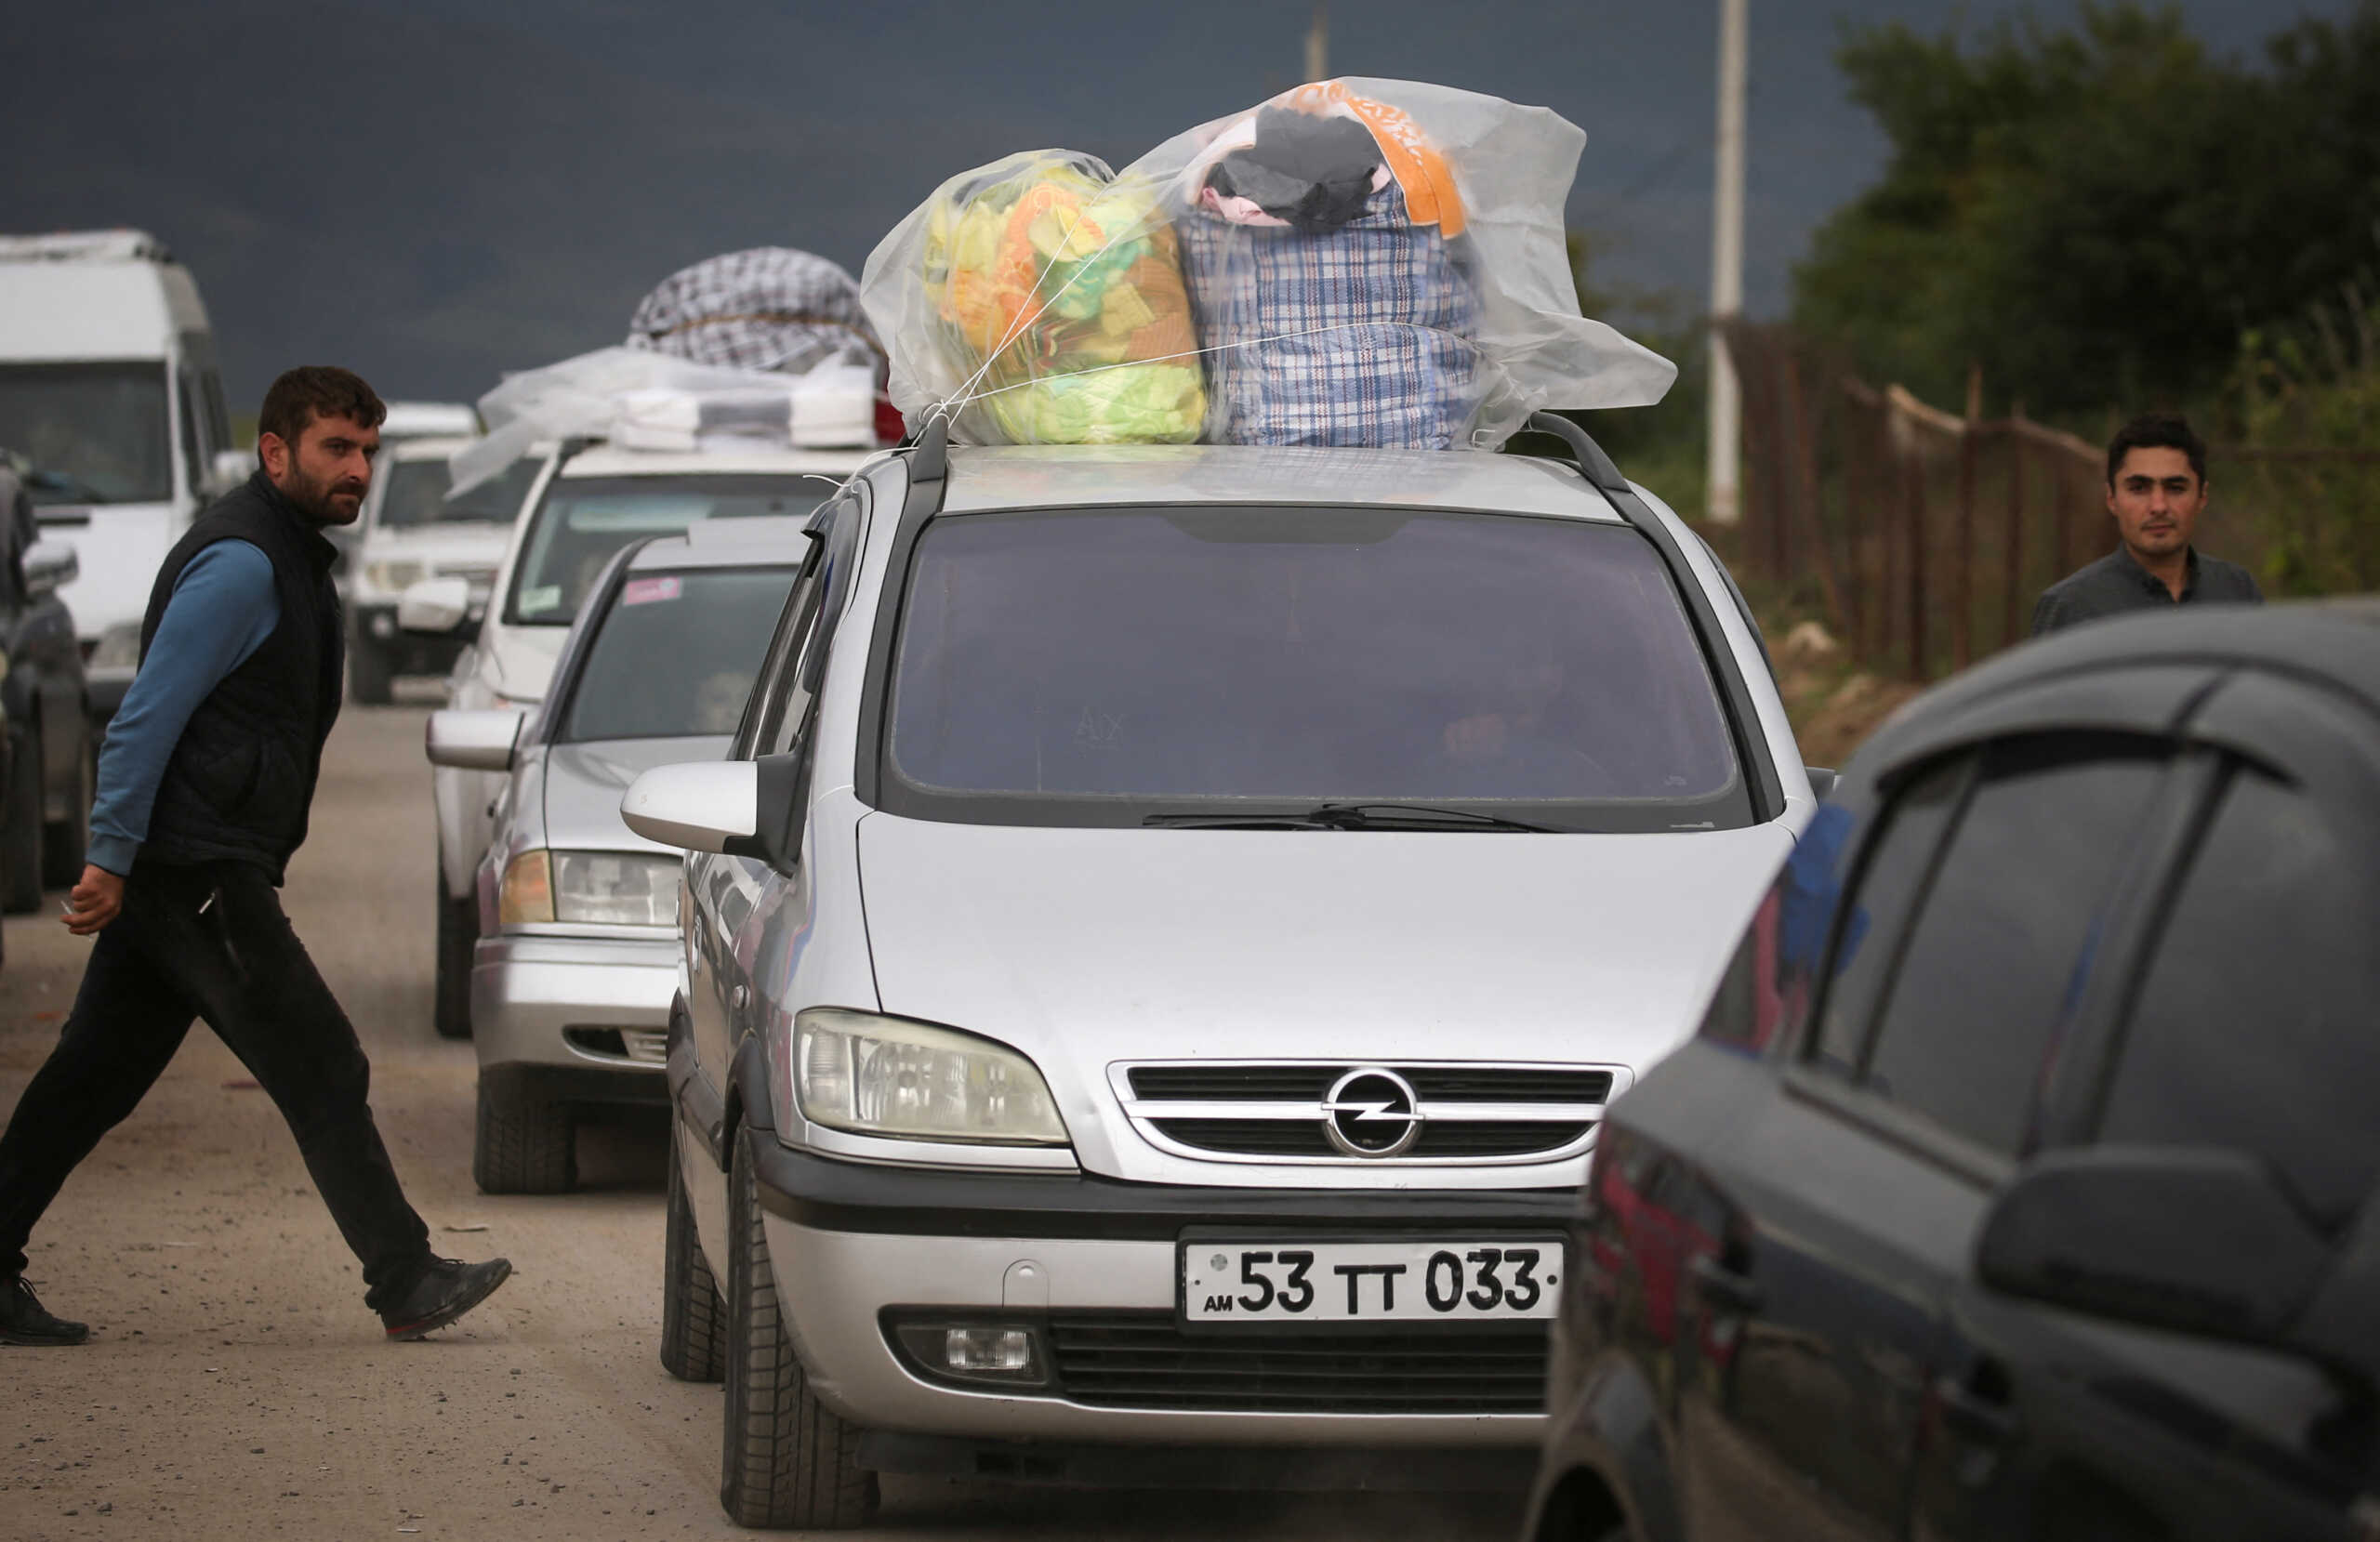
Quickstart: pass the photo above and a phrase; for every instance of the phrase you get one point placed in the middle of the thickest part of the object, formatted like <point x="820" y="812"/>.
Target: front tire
<point x="788" y="1461"/>
<point x="459" y="929"/>
<point x="693" y="1319"/>
<point x="65" y="841"/>
<point x="523" y="1144"/>
<point x="368" y="677"/>
<point x="22" y="828"/>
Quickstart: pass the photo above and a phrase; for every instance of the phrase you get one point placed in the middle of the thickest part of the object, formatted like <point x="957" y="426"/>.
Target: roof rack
<point x="929" y="469"/>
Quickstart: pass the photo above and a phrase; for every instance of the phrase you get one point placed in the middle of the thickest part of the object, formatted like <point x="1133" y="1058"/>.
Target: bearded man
<point x="205" y="784"/>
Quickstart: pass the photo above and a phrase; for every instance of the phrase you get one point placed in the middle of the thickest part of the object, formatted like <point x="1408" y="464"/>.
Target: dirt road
<point x="235" y="1386"/>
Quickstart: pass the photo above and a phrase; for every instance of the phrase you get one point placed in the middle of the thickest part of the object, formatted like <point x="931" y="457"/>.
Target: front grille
<point x="1253" y="1111"/>
<point x="1143" y="1360"/>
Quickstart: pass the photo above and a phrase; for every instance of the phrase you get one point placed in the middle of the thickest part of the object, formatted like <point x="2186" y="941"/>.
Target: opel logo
<point x="1371" y="1112"/>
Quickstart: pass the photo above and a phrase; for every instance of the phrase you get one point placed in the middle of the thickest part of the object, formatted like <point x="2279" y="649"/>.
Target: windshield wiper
<point x="65" y="482"/>
<point x="1350" y="816"/>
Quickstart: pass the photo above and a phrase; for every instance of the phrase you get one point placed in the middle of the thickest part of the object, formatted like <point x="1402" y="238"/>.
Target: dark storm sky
<point x="435" y="190"/>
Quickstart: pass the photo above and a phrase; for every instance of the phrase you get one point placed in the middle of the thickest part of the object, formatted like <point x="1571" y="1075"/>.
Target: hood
<point x="1095" y="945"/>
<point x="585" y="784"/>
<point x="520" y="660"/>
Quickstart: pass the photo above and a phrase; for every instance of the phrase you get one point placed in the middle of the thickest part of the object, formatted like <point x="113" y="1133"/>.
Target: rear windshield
<point x="94" y="433"/>
<point x="582" y="522"/>
<point x="676" y="654"/>
<point x="417" y="495"/>
<point x="1095" y="666"/>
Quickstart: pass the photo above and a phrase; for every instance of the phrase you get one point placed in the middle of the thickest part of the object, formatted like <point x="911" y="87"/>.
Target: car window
<point x="676" y="654"/>
<point x="1089" y="664"/>
<point x="2005" y="934"/>
<point x="2253" y="1027"/>
<point x="417" y="494"/>
<point x="581" y="521"/>
<point x="766" y="709"/>
<point x="1867" y="929"/>
<point x="94" y="433"/>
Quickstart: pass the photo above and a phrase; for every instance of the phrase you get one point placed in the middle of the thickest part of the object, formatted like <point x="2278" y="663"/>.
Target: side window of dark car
<point x="2252" y="1026"/>
<point x="1866" y="928"/>
<point x="2005" y="931"/>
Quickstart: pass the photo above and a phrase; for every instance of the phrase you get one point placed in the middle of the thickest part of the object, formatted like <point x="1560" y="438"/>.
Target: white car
<point x="1159" y="950"/>
<point x="586" y="502"/>
<point x="410" y="529"/>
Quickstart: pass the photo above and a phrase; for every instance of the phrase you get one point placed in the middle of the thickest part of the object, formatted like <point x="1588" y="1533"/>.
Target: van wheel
<point x="66" y="839"/>
<point x="367" y="673"/>
<point x="524" y="1144"/>
<point x="788" y="1461"/>
<point x="459" y="929"/>
<point x="693" y="1320"/>
<point x="20" y="827"/>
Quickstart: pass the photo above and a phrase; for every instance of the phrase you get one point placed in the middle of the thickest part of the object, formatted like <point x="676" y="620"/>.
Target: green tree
<point x="2096" y="214"/>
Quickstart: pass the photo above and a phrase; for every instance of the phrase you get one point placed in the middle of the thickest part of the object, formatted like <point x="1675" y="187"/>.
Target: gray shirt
<point x="2116" y="584"/>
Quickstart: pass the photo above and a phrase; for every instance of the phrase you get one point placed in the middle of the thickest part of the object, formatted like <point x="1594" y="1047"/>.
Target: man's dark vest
<point x="242" y="775"/>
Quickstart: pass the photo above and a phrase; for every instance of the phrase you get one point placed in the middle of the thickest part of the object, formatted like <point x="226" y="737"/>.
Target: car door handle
<point x="1971" y="1414"/>
<point x="1722" y="1288"/>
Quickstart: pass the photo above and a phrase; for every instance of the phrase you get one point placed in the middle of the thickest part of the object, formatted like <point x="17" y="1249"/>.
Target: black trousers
<point x="211" y="942"/>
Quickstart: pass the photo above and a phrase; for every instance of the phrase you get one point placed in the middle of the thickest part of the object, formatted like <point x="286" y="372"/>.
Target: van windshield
<point x="95" y="432"/>
<point x="582" y="522"/>
<point x="417" y="495"/>
<point x="1107" y="666"/>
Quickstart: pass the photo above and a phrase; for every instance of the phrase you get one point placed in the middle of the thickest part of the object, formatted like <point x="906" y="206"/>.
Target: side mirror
<point x="2195" y="1239"/>
<point x="435" y="605"/>
<point x="49" y="567"/>
<point x="1823" y="781"/>
<point x="700" y="806"/>
<point x="481" y="740"/>
<point x="228" y="471"/>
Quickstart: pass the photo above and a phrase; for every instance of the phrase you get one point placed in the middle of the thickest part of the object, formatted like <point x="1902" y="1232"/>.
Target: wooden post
<point x="2012" y="599"/>
<point x="2062" y="484"/>
<point x="1913" y="543"/>
<point x="1964" y="547"/>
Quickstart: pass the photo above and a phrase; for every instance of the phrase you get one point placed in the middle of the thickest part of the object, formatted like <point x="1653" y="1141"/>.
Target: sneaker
<point x="448" y="1288"/>
<point x="22" y="1321"/>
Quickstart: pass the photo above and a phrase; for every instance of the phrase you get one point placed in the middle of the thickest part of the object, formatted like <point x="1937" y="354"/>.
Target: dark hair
<point x="310" y="391"/>
<point x="2156" y="431"/>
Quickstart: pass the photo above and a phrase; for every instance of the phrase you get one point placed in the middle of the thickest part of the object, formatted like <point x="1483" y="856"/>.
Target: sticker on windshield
<point x="644" y="591"/>
<point x="545" y="597"/>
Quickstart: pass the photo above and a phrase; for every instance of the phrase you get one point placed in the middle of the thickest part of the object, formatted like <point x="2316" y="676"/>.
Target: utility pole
<point x="1728" y="271"/>
<point x="1317" y="42"/>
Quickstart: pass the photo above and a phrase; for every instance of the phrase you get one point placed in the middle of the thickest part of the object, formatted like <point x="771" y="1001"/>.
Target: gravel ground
<point x="235" y="1388"/>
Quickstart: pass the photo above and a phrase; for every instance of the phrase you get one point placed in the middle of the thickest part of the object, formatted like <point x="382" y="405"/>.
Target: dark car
<point x="2020" y="1182"/>
<point x="46" y="798"/>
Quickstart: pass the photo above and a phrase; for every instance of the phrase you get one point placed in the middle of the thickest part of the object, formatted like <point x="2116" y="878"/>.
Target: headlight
<point x="620" y="888"/>
<point x="119" y="648"/>
<point x="616" y="888"/>
<point x="881" y="1075"/>
<point x="394" y="577"/>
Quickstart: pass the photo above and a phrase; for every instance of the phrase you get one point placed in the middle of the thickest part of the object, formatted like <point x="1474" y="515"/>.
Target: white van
<point x="108" y="385"/>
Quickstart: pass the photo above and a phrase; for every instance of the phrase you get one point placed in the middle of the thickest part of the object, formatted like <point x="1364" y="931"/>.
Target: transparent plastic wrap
<point x="1041" y="298"/>
<point x="652" y="401"/>
<point x="1366" y="262"/>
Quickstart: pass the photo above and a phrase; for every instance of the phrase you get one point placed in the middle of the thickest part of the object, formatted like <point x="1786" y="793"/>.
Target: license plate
<point x="1437" y="1280"/>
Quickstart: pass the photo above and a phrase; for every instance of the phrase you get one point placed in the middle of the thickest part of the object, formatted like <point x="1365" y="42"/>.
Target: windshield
<point x="676" y="654"/>
<point x="417" y="495"/>
<point x="1096" y="667"/>
<point x="94" y="433"/>
<point x="582" y="522"/>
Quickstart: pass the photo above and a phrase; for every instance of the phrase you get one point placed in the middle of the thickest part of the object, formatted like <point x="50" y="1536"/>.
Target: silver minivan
<point x="1161" y="944"/>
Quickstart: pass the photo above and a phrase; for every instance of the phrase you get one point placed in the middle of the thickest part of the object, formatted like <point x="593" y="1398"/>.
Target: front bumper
<point x="589" y="1014"/>
<point x="1089" y="1265"/>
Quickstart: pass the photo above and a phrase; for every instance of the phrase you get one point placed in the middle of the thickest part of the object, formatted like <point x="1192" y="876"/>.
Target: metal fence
<point x="1923" y="536"/>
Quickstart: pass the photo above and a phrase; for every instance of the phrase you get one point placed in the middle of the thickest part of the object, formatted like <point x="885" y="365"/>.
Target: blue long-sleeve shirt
<point x="223" y="608"/>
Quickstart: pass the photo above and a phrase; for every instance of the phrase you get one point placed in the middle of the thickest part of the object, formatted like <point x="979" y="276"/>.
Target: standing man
<point x="204" y="786"/>
<point x="2155" y="490"/>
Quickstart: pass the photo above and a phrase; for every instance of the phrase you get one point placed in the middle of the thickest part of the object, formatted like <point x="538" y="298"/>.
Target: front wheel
<point x="788" y="1460"/>
<point x="693" y="1319"/>
<point x="369" y="680"/>
<point x="66" y="839"/>
<point x="22" y="828"/>
<point x="524" y="1144"/>
<point x="459" y="932"/>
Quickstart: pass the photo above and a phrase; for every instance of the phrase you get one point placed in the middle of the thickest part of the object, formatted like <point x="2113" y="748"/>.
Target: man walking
<point x="205" y="784"/>
<point x="2155" y="490"/>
